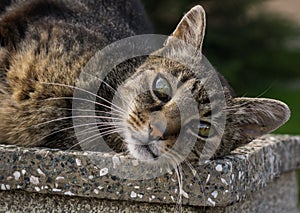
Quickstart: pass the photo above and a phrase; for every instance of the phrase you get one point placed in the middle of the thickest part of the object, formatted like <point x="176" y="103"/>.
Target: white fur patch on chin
<point x="143" y="152"/>
<point x="138" y="153"/>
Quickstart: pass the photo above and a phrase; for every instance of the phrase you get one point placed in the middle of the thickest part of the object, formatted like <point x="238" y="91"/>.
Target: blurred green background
<point x="254" y="47"/>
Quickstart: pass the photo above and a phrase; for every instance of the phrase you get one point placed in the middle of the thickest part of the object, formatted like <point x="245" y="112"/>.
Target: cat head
<point x="169" y="104"/>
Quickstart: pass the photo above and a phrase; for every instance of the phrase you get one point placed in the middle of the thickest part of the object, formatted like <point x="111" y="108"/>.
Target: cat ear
<point x="254" y="117"/>
<point x="191" y="28"/>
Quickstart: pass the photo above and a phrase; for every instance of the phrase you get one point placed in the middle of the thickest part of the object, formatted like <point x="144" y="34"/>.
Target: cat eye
<point x="162" y="89"/>
<point x="204" y="129"/>
<point x="201" y="128"/>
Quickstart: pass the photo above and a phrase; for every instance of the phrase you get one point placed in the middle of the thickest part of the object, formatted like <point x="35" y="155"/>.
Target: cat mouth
<point x="147" y="149"/>
<point x="148" y="141"/>
<point x="151" y="149"/>
<point x="145" y="152"/>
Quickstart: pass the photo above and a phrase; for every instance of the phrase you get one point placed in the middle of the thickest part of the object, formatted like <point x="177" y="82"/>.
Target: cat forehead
<point x="166" y="66"/>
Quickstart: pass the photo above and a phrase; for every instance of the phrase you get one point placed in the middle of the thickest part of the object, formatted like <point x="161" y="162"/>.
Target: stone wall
<point x="259" y="177"/>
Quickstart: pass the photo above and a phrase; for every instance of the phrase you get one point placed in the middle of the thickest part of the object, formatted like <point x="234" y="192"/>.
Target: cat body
<point x="46" y="44"/>
<point x="50" y="42"/>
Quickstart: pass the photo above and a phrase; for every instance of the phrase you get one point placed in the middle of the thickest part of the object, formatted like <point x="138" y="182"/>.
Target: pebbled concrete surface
<point x="260" y="171"/>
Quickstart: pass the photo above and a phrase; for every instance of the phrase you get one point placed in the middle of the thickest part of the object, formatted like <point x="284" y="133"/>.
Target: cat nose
<point x="157" y="126"/>
<point x="155" y="133"/>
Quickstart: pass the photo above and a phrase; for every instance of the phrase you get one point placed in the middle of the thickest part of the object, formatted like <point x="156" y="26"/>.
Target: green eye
<point x="204" y="129"/>
<point x="201" y="128"/>
<point x="162" y="89"/>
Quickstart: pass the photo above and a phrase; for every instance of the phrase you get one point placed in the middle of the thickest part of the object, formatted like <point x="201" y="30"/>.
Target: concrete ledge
<point x="260" y="170"/>
<point x="279" y="197"/>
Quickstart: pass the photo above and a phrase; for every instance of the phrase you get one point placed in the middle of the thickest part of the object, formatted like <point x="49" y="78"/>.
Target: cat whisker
<point x="86" y="100"/>
<point x="86" y="91"/>
<point x="116" y="92"/>
<point x="70" y="109"/>
<point x="178" y="171"/>
<point x="179" y="158"/>
<point x="71" y="127"/>
<point x="99" y="124"/>
<point x="262" y="93"/>
<point x="75" y="117"/>
<point x="87" y="110"/>
<point x="195" y="173"/>
<point x="91" y="130"/>
<point x="96" y="136"/>
<point x="192" y="169"/>
<point x="172" y="159"/>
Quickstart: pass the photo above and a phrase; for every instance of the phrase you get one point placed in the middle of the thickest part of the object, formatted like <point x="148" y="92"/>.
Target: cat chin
<point x="143" y="152"/>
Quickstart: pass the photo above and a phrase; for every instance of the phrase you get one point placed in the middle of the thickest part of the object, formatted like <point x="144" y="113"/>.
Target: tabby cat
<point x="46" y="44"/>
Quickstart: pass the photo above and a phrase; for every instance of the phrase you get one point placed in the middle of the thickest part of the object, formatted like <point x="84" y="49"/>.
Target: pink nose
<point x="157" y="126"/>
<point x="155" y="133"/>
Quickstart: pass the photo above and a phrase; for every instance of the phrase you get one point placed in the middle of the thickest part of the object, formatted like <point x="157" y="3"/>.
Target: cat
<point x="46" y="44"/>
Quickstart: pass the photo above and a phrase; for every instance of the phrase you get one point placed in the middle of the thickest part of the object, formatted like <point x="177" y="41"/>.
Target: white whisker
<point x="88" y="110"/>
<point x="86" y="100"/>
<point x="116" y="92"/>
<point x="90" y="139"/>
<point x="91" y="130"/>
<point x="74" y="117"/>
<point x="178" y="170"/>
<point x="193" y="170"/>
<point x="111" y="131"/>
<point x="86" y="91"/>
<point x="99" y="124"/>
